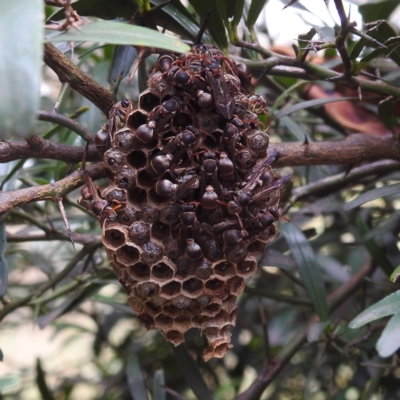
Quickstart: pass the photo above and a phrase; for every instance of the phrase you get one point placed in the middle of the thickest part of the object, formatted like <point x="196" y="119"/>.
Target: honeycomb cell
<point x="160" y="231"/>
<point x="203" y="269"/>
<point x="246" y="268"/>
<point x="192" y="287"/>
<point x="184" y="268"/>
<point x="139" y="271"/>
<point x="127" y="216"/>
<point x="152" y="309"/>
<point x="207" y="121"/>
<point x="215" y="286"/>
<point x="126" y="178"/>
<point x="114" y="160"/>
<point x="114" y="237"/>
<point x="175" y="337"/>
<point x="136" y="305"/>
<point x="137" y="197"/>
<point x="181" y="302"/>
<point x="137" y="159"/>
<point x="135" y="119"/>
<point x="211" y="333"/>
<point x="174" y="248"/>
<point x="211" y="310"/>
<point x="139" y="233"/>
<point x="225" y="269"/>
<point x="162" y="272"/>
<point x="182" y="120"/>
<point x="148" y="214"/>
<point x="151" y="253"/>
<point x="203" y="300"/>
<point x="124" y="140"/>
<point x="157" y="199"/>
<point x="148" y="100"/>
<point x="159" y="86"/>
<point x="229" y="303"/>
<point x="163" y="321"/>
<point x="115" y="194"/>
<point x="183" y="322"/>
<point x="171" y="289"/>
<point x="148" y="289"/>
<point x="170" y="214"/>
<point x="256" y="247"/>
<point x="171" y="310"/>
<point x="127" y="254"/>
<point x="236" y="285"/>
<point x="158" y="300"/>
<point x="147" y="320"/>
<point x="144" y="179"/>
<point x="212" y="250"/>
<point x="236" y="253"/>
<point x="257" y="141"/>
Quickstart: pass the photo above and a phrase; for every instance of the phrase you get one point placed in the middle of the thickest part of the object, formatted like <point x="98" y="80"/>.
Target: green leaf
<point x="159" y="386"/>
<point x="377" y="10"/>
<point x="123" y="59"/>
<point x="308" y="104"/>
<point x="237" y="12"/>
<point x="389" y="341"/>
<point x="386" y="114"/>
<point x="308" y="267"/>
<point x="357" y="48"/>
<point x="326" y="34"/>
<point x="21" y="26"/>
<point x="119" y="33"/>
<point x="191" y="372"/>
<point x="215" y="24"/>
<point x="377" y="253"/>
<point x="135" y="379"/>
<point x="295" y="129"/>
<point x="372" y="195"/>
<point x="254" y="12"/>
<point x="395" y="275"/>
<point x="387" y="306"/>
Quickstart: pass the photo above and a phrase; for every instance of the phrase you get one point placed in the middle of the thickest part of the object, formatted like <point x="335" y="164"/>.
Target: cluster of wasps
<point x="192" y="198"/>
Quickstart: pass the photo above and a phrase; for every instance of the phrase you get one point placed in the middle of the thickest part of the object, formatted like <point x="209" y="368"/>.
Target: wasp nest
<point x="192" y="199"/>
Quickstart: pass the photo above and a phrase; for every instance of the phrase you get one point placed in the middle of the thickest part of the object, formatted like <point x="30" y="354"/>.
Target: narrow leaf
<point x="123" y="59"/>
<point x="9" y="382"/>
<point x="309" y="103"/>
<point x="387" y="306"/>
<point x="254" y="11"/>
<point x="376" y="251"/>
<point x="386" y="112"/>
<point x="21" y="25"/>
<point x="372" y="195"/>
<point x="395" y="275"/>
<point x="389" y="341"/>
<point x="191" y="372"/>
<point x="120" y="33"/>
<point x="158" y="386"/>
<point x="373" y="11"/>
<point x="135" y="379"/>
<point x="41" y="382"/>
<point x="308" y="267"/>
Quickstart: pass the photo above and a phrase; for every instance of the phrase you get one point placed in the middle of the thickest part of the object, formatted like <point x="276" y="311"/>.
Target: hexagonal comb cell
<point x="168" y="242"/>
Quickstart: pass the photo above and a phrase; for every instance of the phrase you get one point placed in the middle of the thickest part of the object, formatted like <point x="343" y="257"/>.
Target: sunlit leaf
<point x="372" y="195"/>
<point x="326" y="34"/>
<point x="21" y="30"/>
<point x="120" y="33"/>
<point x="135" y="379"/>
<point x="389" y="341"/>
<point x="9" y="382"/>
<point x="158" y="385"/>
<point x="387" y="306"/>
<point x="308" y="267"/>
<point x="308" y="104"/>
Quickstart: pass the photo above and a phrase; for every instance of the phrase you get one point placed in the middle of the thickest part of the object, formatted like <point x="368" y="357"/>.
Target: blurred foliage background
<point x="67" y="331"/>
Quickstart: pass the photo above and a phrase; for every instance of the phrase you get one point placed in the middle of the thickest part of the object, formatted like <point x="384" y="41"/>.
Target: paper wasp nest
<point x="192" y="199"/>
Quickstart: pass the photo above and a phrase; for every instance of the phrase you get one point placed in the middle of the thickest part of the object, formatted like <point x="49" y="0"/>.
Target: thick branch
<point x="9" y="200"/>
<point x="354" y="149"/>
<point x="67" y="71"/>
<point x="42" y="148"/>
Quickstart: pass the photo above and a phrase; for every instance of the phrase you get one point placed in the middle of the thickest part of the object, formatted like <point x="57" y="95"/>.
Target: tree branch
<point x="67" y="71"/>
<point x="9" y="200"/>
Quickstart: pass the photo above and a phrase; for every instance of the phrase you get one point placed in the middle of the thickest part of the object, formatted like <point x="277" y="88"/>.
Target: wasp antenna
<point x="202" y="28"/>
